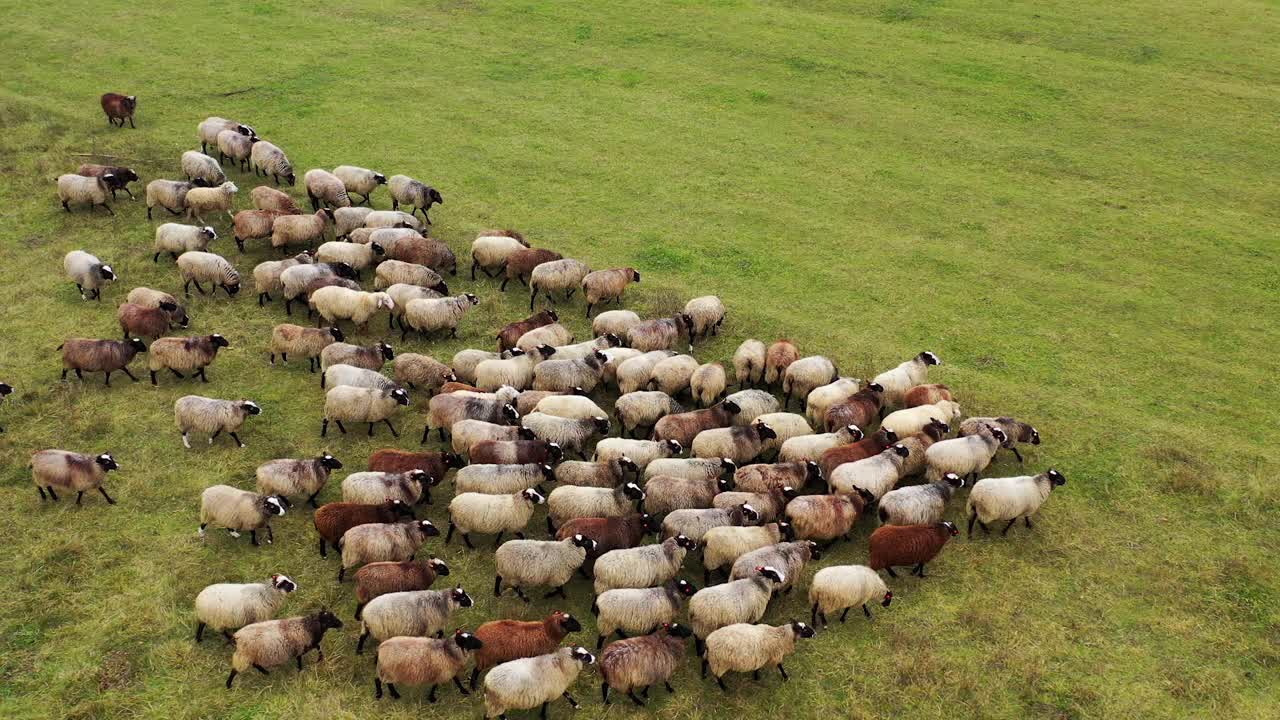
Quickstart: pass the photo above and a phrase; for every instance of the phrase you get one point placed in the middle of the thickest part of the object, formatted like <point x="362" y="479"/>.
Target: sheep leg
<point x="755" y="675"/>
<point x="172" y="212"/>
<point x="377" y="689"/>
<point x="126" y="372"/>
<point x="324" y="427"/>
<point x="131" y="125"/>
<point x="889" y="570"/>
<point x="865" y="611"/>
<point x="324" y="553"/>
<point x="431" y="697"/>
<point x="551" y="529"/>
<point x="668" y="686"/>
<point x="340" y="427"/>
<point x="253" y="535"/>
<point x="186" y="442"/>
<point x="202" y="376"/>
<point x="972" y="516"/>
<point x="299" y="659"/>
<point x="604" y="692"/>
<point x="79" y="375"/>
<point x="341" y="573"/>
<point x="198" y="288"/>
<point x="231" y="677"/>
<point x="632" y="694"/>
<point x="52" y="494"/>
<point x="461" y="689"/>
<point x="215" y="435"/>
<point x="496" y="541"/>
<point x="1016" y="454"/>
<point x="783" y="670"/>
<point x="520" y="594"/>
<point x="42" y="495"/>
<point x="919" y="570"/>
<point x="543" y="715"/>
<point x="1005" y="531"/>
<point x="497" y="586"/>
<point x="64" y="206"/>
<point x="271" y="535"/>
<point x="79" y="497"/>
<point x="107" y="381"/>
<point x="581" y="570"/>
<point x="720" y="682"/>
<point x="1027" y="520"/>
<point x="260" y="669"/>
<point x="503" y="286"/>
<point x="105" y="495"/>
<point x="392" y="427"/>
<point x="370" y="429"/>
<point x="310" y="500"/>
<point x="200" y="632"/>
<point x="558" y="591"/>
<point x="572" y="702"/>
<point x="360" y="644"/>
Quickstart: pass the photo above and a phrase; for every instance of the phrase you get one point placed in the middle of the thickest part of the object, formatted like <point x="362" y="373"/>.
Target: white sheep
<point x="358" y="257"/>
<point x="343" y="374"/>
<point x="375" y="487"/>
<point x="530" y="682"/>
<point x="804" y="375"/>
<point x="490" y="252"/>
<point x="271" y="162"/>
<point x="338" y="303"/>
<point x="643" y="409"/>
<point x="430" y="315"/>
<point x="501" y="478"/>
<point x="918" y="504"/>
<point x="567" y="503"/>
<point x="691" y="468"/>
<point x="752" y="404"/>
<point x="707" y="315"/>
<point x="617" y="322"/>
<point x="909" y="421"/>
<point x="211" y="199"/>
<point x="88" y="273"/>
<point x="358" y="180"/>
<point x="196" y="266"/>
<point x="785" y="426"/>
<point x="737" y="601"/>
<point x="325" y="189"/>
<point x="92" y="191"/>
<point x="200" y="168"/>
<point x="409" y="613"/>
<point x="966" y="456"/>
<point x="821" y="398"/>
<point x="230" y="606"/>
<point x="748" y="363"/>
<point x="193" y="413"/>
<point x="515" y="371"/>
<point x="529" y="563"/>
<point x="744" y="647"/>
<point x="841" y="587"/>
<point x="367" y="405"/>
<point x="637" y="611"/>
<point x="209" y="129"/>
<point x="490" y="514"/>
<point x="641" y="567"/>
<point x="899" y="380"/>
<point x="383" y="542"/>
<point x="876" y="474"/>
<point x="566" y="275"/>
<point x="239" y="510"/>
<point x="569" y="406"/>
<point x="641" y="452"/>
<point x="809" y="448"/>
<point x="176" y="238"/>
<point x="1010" y="498"/>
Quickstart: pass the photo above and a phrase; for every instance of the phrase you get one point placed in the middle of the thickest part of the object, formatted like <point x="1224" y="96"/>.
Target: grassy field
<point x="1072" y="203"/>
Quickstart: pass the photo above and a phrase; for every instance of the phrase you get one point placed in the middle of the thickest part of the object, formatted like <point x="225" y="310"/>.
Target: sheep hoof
<point x="233" y="533"/>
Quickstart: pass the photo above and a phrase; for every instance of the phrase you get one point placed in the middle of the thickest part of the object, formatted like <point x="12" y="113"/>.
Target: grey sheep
<point x="402" y="294"/>
<point x="268" y="276"/>
<point x="91" y="191"/>
<point x="771" y="505"/>
<point x="211" y="199"/>
<point x="410" y="613"/>
<point x="235" y="147"/>
<point x="642" y="567"/>
<point x="392" y="219"/>
<point x="238" y="511"/>
<point x="582" y="473"/>
<point x="617" y="322"/>
<point x="275" y="642"/>
<point x="271" y="161"/>
<point x="325" y="189"/>
<point x="194" y="413"/>
<point x="918" y="504"/>
<point x="214" y="269"/>
<point x="366" y="405"/>
<point x="567" y="503"/>
<point x="722" y="546"/>
<point x="501" y="479"/>
<point x="966" y="456"/>
<point x="359" y="181"/>
<point x="231" y="606"/>
<point x="370" y="357"/>
<point x="806" y="374"/>
<point x="192" y="354"/>
<point x="643" y="661"/>
<point x="296" y="476"/>
<point x="603" y="286"/>
<point x="752" y="404"/>
<point x="299" y="229"/>
<point x="66" y="470"/>
<point x="570" y="435"/>
<point x="1015" y="431"/>
<point x="464" y="363"/>
<point x="530" y="563"/>
<point x="660" y="334"/>
<point x="423" y="371"/>
<point x="692" y="468"/>
<point x="302" y="341"/>
<point x="430" y="315"/>
<point x="383" y="542"/>
<point x="740" y="444"/>
<point x="209" y="129"/>
<point x="643" y="409"/>
<point x="445" y="409"/>
<point x="635" y="611"/>
<point x="789" y="557"/>
<point x="348" y="219"/>
<point x="105" y="356"/>
<point x="88" y="273"/>
<point x="201" y="169"/>
<point x="694" y="523"/>
<point x="466" y="433"/>
<point x="665" y="493"/>
<point x="737" y="601"/>
<point x="707" y="384"/>
<point x="371" y="488"/>
<point x="419" y="196"/>
<point x="565" y="375"/>
<point x="168" y="194"/>
<point x="672" y="375"/>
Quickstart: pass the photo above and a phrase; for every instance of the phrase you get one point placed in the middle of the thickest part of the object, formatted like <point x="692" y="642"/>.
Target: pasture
<point x="1072" y="203"/>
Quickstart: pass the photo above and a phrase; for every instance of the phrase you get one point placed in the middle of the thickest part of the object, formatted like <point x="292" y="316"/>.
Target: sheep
<point x="641" y="567"/>
<point x="752" y="404"/>
<point x="193" y="413"/>
<point x="105" y="356"/>
<point x="488" y="514"/>
<point x="490" y="252"/>
<point x="465" y="361"/>
<point x="271" y="161"/>
<point x="743" y="647"/>
<point x="337" y="303"/>
<point x="195" y="266"/>
<point x="612" y="533"/>
<point x="201" y="200"/>
<point x="295" y="279"/>
<point x="286" y="477"/>
<point x="411" y="613"/>
<point x="570" y="435"/>
<point x="395" y="272"/>
<point x="515" y="452"/>
<point x="876" y="474"/>
<point x="899" y="380"/>
<point x="553" y="334"/>
<point x="771" y="505"/>
<point x="908" y="545"/>
<point x="616" y="356"/>
<point x="821" y="398"/>
<point x="635" y="611"/>
<point x="919" y="444"/>
<point x="841" y="587"/>
<point x="873" y="444"/>
<point x="644" y="409"/>
<point x="201" y="169"/>
<point x="300" y="229"/>
<point x="763" y="478"/>
<point x="402" y="294"/>
<point x="168" y="194"/>
<point x="515" y="371"/>
<point x="91" y="191"/>
<point x="423" y="661"/>
<point x="804" y="375"/>
<point x="467" y="433"/>
<point x="926" y="395"/>
<point x="522" y="262"/>
<point x="685" y="427"/>
<point x="273" y="642"/>
<point x="369" y="357"/>
<point x="825" y="517"/>
<point x="569" y="406"/>
<point x="358" y="257"/>
<point x="359" y="181"/>
<point x="383" y="542"/>
<point x="381" y="578"/>
<point x="348" y="219"/>
<point x="809" y="448"/>
<point x="694" y="524"/>
<point x="268" y="198"/>
<point x="413" y="193"/>
<point x="660" y="334"/>
<point x="445" y="409"/>
<point x="192" y="354"/>
<point x="510" y="334"/>
<point x="566" y="503"/>
<point x="149" y="298"/>
<point x="740" y="444"/>
<point x="367" y="405"/>
<point x="416" y="370"/>
<point x="392" y="219"/>
<point x="910" y="421"/>
<point x="528" y="563"/>
<point x="116" y="178"/>
<point x="691" y="468"/>
<point x="370" y="487"/>
<point x="1010" y="498"/>
<point x="175" y="238"/>
<point x="502" y="479"/>
<point x="587" y="348"/>
<point x="426" y="316"/>
<point x="664" y="493"/>
<point x="239" y="510"/>
<point x="88" y="273"/>
<point x="302" y="341"/>
<point x="634" y="373"/>
<point x="641" y="452"/>
<point x="672" y="375"/>
<point x="434" y="464"/>
<point x="789" y="557"/>
<point x="209" y="129"/>
<point x="603" y="286"/>
<point x="707" y="384"/>
<point x="507" y="640"/>
<point x="235" y="147"/>
<point x="1015" y="431"/>
<point x="967" y="456"/>
<point x="724" y="545"/>
<point x="231" y="606"/>
<point x="643" y="661"/>
<point x="918" y="504"/>
<point x="786" y="426"/>
<point x="581" y="473"/>
<point x="334" y="519"/>
<point x="529" y="682"/>
<point x="737" y="601"/>
<point x="749" y="363"/>
<point x="706" y="314"/>
<point x="5" y="390"/>
<point x="71" y="471"/>
<point x="119" y="107"/>
<point x="565" y="375"/>
<point x="324" y="189"/>
<point x="778" y="357"/>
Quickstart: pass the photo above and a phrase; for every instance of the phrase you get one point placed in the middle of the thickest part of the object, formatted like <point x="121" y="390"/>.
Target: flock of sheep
<point x="693" y="472"/>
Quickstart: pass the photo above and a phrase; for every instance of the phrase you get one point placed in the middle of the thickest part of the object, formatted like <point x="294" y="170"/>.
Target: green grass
<point x="1072" y="203"/>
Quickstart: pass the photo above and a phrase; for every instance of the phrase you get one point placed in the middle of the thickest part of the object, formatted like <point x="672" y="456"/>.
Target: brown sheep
<point x="777" y="359"/>
<point x="614" y="533"/>
<point x="926" y="395"/>
<point x="434" y="464"/>
<point x="119" y="107"/>
<point x="515" y="452"/>
<point x="334" y="519"/>
<point x="512" y="332"/>
<point x="506" y="640"/>
<point x="522" y="262"/>
<point x="853" y="452"/>
<point x="908" y="545"/>
<point x="603" y="286"/>
<point x="684" y="427"/>
<point x="861" y="409"/>
<point x="380" y="578"/>
<point x="105" y="356"/>
<point x="427" y="252"/>
<point x="142" y="321"/>
<point x="826" y="517"/>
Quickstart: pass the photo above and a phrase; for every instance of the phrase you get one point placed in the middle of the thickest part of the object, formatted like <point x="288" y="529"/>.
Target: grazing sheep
<point x="692" y="468"/>
<point x="771" y="505"/>
<point x="919" y="444"/>
<point x="665" y="493"/>
<point x="643" y="661"/>
<point x="740" y="444"/>
<point x="778" y="357"/>
<point x="119" y="107"/>
<point x="636" y="611"/>
<point x="581" y="473"/>
<point x="706" y="314"/>
<point x="501" y="479"/>
<point x="383" y="542"/>
<point x="1010" y="498"/>
<point x="325" y="189"/>
<point x="490" y="252"/>
<point x="88" y="273"/>
<point x="1015" y="431"/>
<point x="302" y="341"/>
<point x="445" y="409"/>
<point x="603" y="286"/>
<point x="660" y="334"/>
<point x="926" y="395"/>
<point x="105" y="356"/>
<point x="841" y="587"/>
<point x="553" y="334"/>
<point x="804" y="375"/>
<point x="565" y="375"/>
<point x="201" y="169"/>
<point x="116" y="178"/>
<point x="369" y="357"/>
<point x="434" y="464"/>
<point x="239" y="510"/>
<point x="566" y="503"/>
<point x="967" y="456"/>
<point x="645" y="409"/>
<point x="490" y="514"/>
<point x="515" y="452"/>
<point x="269" y="198"/>
<point x="168" y="194"/>
<point x="612" y="533"/>
<point x="417" y="370"/>
<point x="367" y="405"/>
<point x="296" y="278"/>
<point x="68" y="470"/>
<point x="616" y="322"/>
<point x="873" y="444"/>
<point x="306" y="476"/>
<point x="752" y="404"/>
<point x="530" y="682"/>
<point x="918" y="504"/>
<point x="348" y="219"/>
<point x="235" y="147"/>
<point x="641" y="567"/>
<point x="91" y="191"/>
<point x="724" y="545"/>
<point x="424" y="661"/>
<point x="175" y="239"/>
<point x="809" y="448"/>
<point x="271" y="161"/>
<point x="334" y="519"/>
<point x="231" y="606"/>
<point x="274" y="642"/>
<point x="789" y="557"/>
<point x="371" y="487"/>
<point x="507" y="640"/>
<point x="910" y="421"/>
<point x="515" y="371"/>
<point x="300" y="229"/>
<point x="359" y="181"/>
<point x="743" y="647"/>
<point x="467" y="433"/>
<point x="825" y="517"/>
<point x="193" y="413"/>
<point x="694" y="524"/>
<point x="427" y="316"/>
<point x="192" y="354"/>
<point x="899" y="380"/>
<point x="737" y="601"/>
<point x="211" y="199"/>
<point x="529" y="563"/>
<point x="763" y="478"/>
<point x="209" y="129"/>
<point x="570" y="435"/>
<point x="195" y="266"/>
<point x="412" y="613"/>
<point x="908" y="545"/>
<point x="522" y="262"/>
<point x="337" y="303"/>
<point x="381" y="578"/>
<point x="820" y="399"/>
<point x="413" y="193"/>
<point x="876" y="474"/>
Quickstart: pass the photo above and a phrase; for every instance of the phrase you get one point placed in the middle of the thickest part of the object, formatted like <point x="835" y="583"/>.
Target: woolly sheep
<point x="268" y="198"/>
<point x="348" y="219"/>
<point x="762" y="478"/>
<point x="737" y="601"/>
<point x="821" y="398"/>
<point x="876" y="474"/>
<point x="184" y="353"/>
<point x="324" y="189"/>
<point x="515" y="371"/>
<point x="553" y="334"/>
<point x="395" y="272"/>
<point x="271" y="162"/>
<point x="618" y="322"/>
<point x="660" y="334"/>
<point x="918" y="504"/>
<point x="402" y="294"/>
<point x="193" y="413"/>
<point x="302" y="341"/>
<point x="778" y="357"/>
<point x="664" y="493"/>
<point x="617" y="356"/>
<point x="68" y="470"/>
<point x="373" y="487"/>
<point x="529" y="563"/>
<point x="587" y="348"/>
<point x="916" y="545"/>
<point x="358" y="257"/>
<point x="928" y="394"/>
<point x="825" y="517"/>
<point x="565" y="375"/>
<point x="643" y="661"/>
<point x="740" y="444"/>
<point x="294" y="279"/>
<point x="334" y="519"/>
<point x="211" y="199"/>
<point x="691" y="468"/>
<point x="289" y="476"/>
<point x="417" y="195"/>
<point x="337" y="303"/>
<point x="195" y="266"/>
<point x="427" y="316"/>
<point x="789" y="557"/>
<point x="253" y="225"/>
<point x="571" y="435"/>
<point x="275" y="642"/>
<point x="743" y="647"/>
<point x="235" y="147"/>
<point x="78" y="189"/>
<point x="919" y="444"/>
<point x="168" y="194"/>
<point x="510" y="334"/>
<point x="231" y="606"/>
<point x="1010" y="498"/>
<point x="367" y="405"/>
<point x="634" y="373"/>
<point x="149" y="298"/>
<point x="724" y="545"/>
<point x="694" y="523"/>
<point x="549" y="277"/>
<point x="381" y="578"/>
<point x="634" y="611"/>
<point x="105" y="356"/>
<point x="875" y="443"/>
<point x="707" y="315"/>
<point x="507" y="640"/>
<point x="382" y="542"/>
<point x="370" y="357"/>
<point x="582" y="473"/>
<point x="423" y="661"/>
<point x="490" y="514"/>
<point x="707" y="384"/>
<point x="748" y="363"/>
<point x="466" y="433"/>
<point x="490" y="252"/>
<point x="300" y="229"/>
<point x="566" y="503"/>
<point x="672" y="375"/>
<point x="359" y="181"/>
<point x="770" y="505"/>
<point x="804" y="375"/>
<point x="115" y="177"/>
<point x="530" y="682"/>
<point x="642" y="567"/>
<point x="209" y="129"/>
<point x="841" y="587"/>
<point x="785" y="426"/>
<point x="202" y="169"/>
<point x="809" y="448"/>
<point x="413" y="613"/>
<point x="966" y="456"/>
<point x="910" y="421"/>
<point x="239" y="510"/>
<point x="175" y="239"/>
<point x="392" y="219"/>
<point x="445" y="409"/>
<point x="603" y="286"/>
<point x="643" y="409"/>
<point x="752" y="404"/>
<point x="641" y="452"/>
<point x="1015" y="431"/>
<point x="423" y="371"/>
<point x="899" y="380"/>
<point x="88" y="273"/>
<point x="684" y="427"/>
<point x="501" y="479"/>
<point x="569" y="406"/>
<point x="464" y="363"/>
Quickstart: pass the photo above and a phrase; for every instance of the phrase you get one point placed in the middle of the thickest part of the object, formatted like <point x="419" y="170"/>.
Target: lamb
<point x="175" y="238"/>
<point x="876" y="474"/>
<point x="239" y="510"/>
<point x="512" y="332"/>
<point x="334" y="519"/>
<point x="707" y="384"/>
<point x="771" y="505"/>
<point x="809" y="448"/>
<point x="68" y="471"/>
<point x="192" y="354"/>
<point x="105" y="356"/>
<point x="966" y="456"/>
<point x="201" y="200"/>
<point x="371" y="487"/>
<point x="271" y="161"/>
<point x="413" y="193"/>
<point x="412" y="613"/>
<point x="634" y="373"/>
<point x="643" y="661"/>
<point x="645" y="409"/>
<point x="617" y="322"/>
<point x="919" y="444"/>
<point x="358" y="257"/>
<point x="737" y="601"/>
<point x="295" y="279"/>
<point x="569" y="406"/>
<point x="428" y="316"/>
<point x="763" y="478"/>
<point x="642" y="567"/>
<point x="603" y="286"/>
<point x="908" y="545"/>
<point x="613" y="533"/>
<point x="529" y="563"/>
<point x="825" y="517"/>
<point x="359" y="181"/>
<point x="821" y="398"/>
<point x="346" y="220"/>
<point x="416" y="370"/>
<point x="168" y="194"/>
<point x="636" y="611"/>
<point x="706" y="314"/>
<point x="752" y="404"/>
<point x="789" y="557"/>
<point x="566" y="503"/>
<point x="88" y="273"/>
<point x="302" y="341"/>
<point x="325" y="189"/>
<point x="691" y="468"/>
<point x="841" y="587"/>
<point x="424" y="661"/>
<point x="306" y="476"/>
<point x="213" y="269"/>
<point x="918" y="504"/>
<point x="873" y="444"/>
<point x="778" y="358"/>
<point x="899" y="380"/>
<point x="367" y="405"/>
<point x="672" y="375"/>
<point x="201" y="169"/>
<point x="369" y="357"/>
<point x="910" y="421"/>
<point x="395" y="272"/>
<point x="383" y="542"/>
<point x="467" y="433"/>
<point x="299" y="229"/>
<point x="193" y="413"/>
<point x="274" y="642"/>
<point x="565" y="375"/>
<point x="582" y="473"/>
<point x="336" y="303"/>
<point x="119" y="107"/>
<point x="235" y="147"/>
<point x="740" y="444"/>
<point x="664" y="493"/>
<point x="434" y="464"/>
<point x="489" y="514"/>
<point x="445" y="409"/>
<point x="91" y="191"/>
<point x="529" y="682"/>
<point x="268" y="198"/>
<point x="116" y="178"/>
<point x="231" y="606"/>
<point x="724" y="545"/>
<point x="516" y="452"/>
<point x="1015" y="431"/>
<point x="522" y="262"/>
<point x="570" y="435"/>
<point x="926" y="395"/>
<point x="641" y="452"/>
<point x="149" y="298"/>
<point x="804" y="375"/>
<point x="381" y="578"/>
<point x="744" y="647"/>
<point x="502" y="479"/>
<point x="786" y="426"/>
<point x="515" y="371"/>
<point x="490" y="251"/>
<point x="209" y="129"/>
<point x="694" y="524"/>
<point x="1010" y="498"/>
<point x="660" y="334"/>
<point x="553" y="334"/>
<point x="507" y="640"/>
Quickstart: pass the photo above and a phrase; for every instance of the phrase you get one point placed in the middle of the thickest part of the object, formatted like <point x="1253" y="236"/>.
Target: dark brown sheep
<point x="684" y="427"/>
<point x="119" y="107"/>
<point x="508" y="335"/>
<point x="119" y="179"/>
<point x="522" y="262"/>
<point x="334" y="519"/>
<point x="614" y="533"/>
<point x="506" y="640"/>
<point x="429" y="252"/>
<point x="926" y="395"/>
<point x="861" y="409"/>
<point x="380" y="578"/>
<point x="434" y="464"/>
<point x="864" y="448"/>
<point x="105" y="356"/>
<point x="908" y="545"/>
<point x="142" y="321"/>
<point x="765" y="477"/>
<point x="515" y="452"/>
